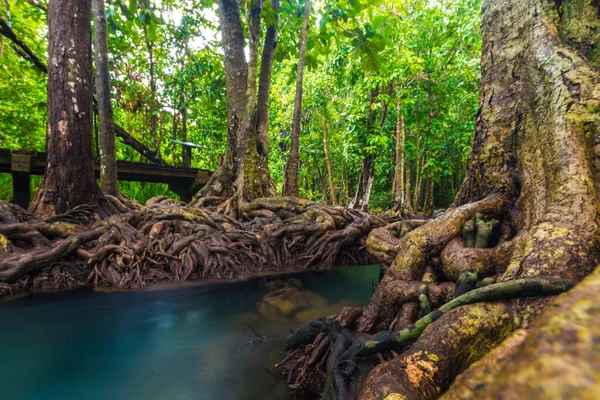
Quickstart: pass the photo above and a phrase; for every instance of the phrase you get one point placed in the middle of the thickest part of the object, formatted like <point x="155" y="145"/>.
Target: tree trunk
<point x="362" y="196"/>
<point x="419" y="192"/>
<point x="291" y="170"/>
<point x="367" y="173"/>
<point x="247" y="133"/>
<point x="407" y="189"/>
<point x="539" y="96"/>
<point x="399" y="170"/>
<point x="186" y="151"/>
<point x="69" y="178"/>
<point x="533" y="172"/>
<point x="264" y="88"/>
<point x="153" y="101"/>
<point x="328" y="161"/>
<point x="108" y="160"/>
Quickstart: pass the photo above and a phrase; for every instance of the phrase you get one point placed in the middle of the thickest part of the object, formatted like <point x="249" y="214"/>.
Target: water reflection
<point x="179" y="344"/>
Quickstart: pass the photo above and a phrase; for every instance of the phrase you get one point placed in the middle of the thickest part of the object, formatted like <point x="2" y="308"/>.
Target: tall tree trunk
<point x="264" y="88"/>
<point x="399" y="171"/>
<point x="362" y="196"/>
<point x="69" y="178"/>
<point x="248" y="167"/>
<point x="186" y="151"/>
<point x="407" y="189"/>
<point x="291" y="171"/>
<point x="153" y="101"/>
<point x="419" y="192"/>
<point x="328" y="161"/>
<point x="428" y="204"/>
<point x="108" y="160"/>
<point x="174" y="136"/>
<point x="236" y="76"/>
<point x="243" y="164"/>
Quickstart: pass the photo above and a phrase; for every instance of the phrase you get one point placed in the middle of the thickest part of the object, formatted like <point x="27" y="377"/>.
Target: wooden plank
<point x="20" y="163"/>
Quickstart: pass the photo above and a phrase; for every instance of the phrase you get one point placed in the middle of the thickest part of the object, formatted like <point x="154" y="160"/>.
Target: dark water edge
<point x="189" y="343"/>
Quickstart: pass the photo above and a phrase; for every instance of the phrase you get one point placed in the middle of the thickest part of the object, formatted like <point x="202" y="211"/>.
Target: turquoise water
<point x="190" y="343"/>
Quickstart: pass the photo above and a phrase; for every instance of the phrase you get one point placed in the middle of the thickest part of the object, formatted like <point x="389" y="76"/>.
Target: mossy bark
<point x="535" y="168"/>
<point x="243" y="176"/>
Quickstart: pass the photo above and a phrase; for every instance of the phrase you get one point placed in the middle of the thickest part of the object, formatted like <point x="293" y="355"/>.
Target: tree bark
<point x="69" y="178"/>
<point x="534" y="146"/>
<point x="291" y="171"/>
<point x="328" y="161"/>
<point x="153" y="109"/>
<point x="264" y="88"/>
<point x="186" y="152"/>
<point x="533" y="172"/>
<point x="400" y="198"/>
<point x="407" y="189"/>
<point x="108" y="160"/>
<point x="244" y="176"/>
<point x="362" y="195"/>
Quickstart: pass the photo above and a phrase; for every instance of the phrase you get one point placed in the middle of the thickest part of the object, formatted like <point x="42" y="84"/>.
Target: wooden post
<point x="21" y="174"/>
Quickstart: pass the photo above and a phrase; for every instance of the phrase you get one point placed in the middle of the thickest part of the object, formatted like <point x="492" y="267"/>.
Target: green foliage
<point x="422" y="54"/>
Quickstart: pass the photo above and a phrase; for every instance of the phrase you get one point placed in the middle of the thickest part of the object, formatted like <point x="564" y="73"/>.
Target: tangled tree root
<point x="432" y="268"/>
<point x="167" y="240"/>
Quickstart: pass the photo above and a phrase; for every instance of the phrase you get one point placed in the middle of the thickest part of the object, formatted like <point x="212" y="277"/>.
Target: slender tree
<point x="69" y="178"/>
<point x="108" y="161"/>
<point x="400" y="197"/>
<point x="291" y="174"/>
<point x="362" y="196"/>
<point x="328" y="161"/>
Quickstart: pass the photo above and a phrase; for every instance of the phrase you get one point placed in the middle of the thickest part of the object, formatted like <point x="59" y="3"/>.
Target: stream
<point x="187" y="343"/>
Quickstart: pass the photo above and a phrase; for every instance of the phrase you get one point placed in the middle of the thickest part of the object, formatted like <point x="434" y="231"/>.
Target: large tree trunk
<point x="533" y="169"/>
<point x="220" y="184"/>
<point x="69" y="179"/>
<point x="244" y="171"/>
<point x="264" y="89"/>
<point x="291" y="170"/>
<point x="534" y="152"/>
<point x="108" y="160"/>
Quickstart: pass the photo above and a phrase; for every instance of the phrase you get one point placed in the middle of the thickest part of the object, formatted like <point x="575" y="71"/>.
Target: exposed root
<point x="165" y="240"/>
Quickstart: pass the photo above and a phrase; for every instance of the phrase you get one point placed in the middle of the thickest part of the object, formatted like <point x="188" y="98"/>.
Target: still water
<point x="192" y="343"/>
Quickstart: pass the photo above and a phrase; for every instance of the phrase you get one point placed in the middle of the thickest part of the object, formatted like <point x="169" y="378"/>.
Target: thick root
<point x="414" y="251"/>
<point x="459" y="338"/>
<point x="557" y="357"/>
<point x="166" y="240"/>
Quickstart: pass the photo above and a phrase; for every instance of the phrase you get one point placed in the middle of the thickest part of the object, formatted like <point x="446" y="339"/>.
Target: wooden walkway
<point x="185" y="182"/>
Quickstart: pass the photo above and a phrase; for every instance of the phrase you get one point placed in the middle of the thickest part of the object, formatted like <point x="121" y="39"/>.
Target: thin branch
<point x="38" y="5"/>
<point x="21" y="48"/>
